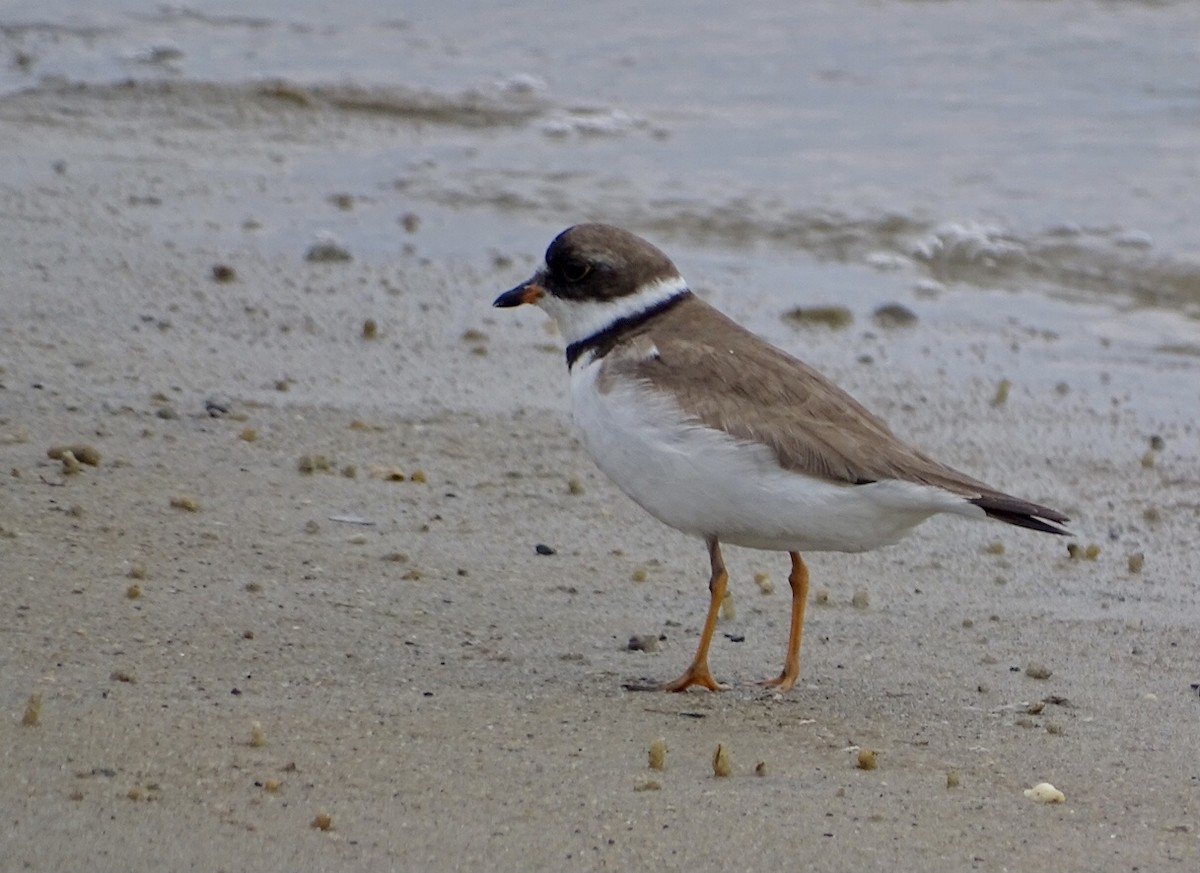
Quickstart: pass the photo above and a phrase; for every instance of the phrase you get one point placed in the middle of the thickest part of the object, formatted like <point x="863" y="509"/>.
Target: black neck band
<point x="604" y="340"/>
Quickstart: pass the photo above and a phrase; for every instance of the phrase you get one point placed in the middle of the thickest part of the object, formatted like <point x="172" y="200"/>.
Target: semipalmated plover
<point x="719" y="434"/>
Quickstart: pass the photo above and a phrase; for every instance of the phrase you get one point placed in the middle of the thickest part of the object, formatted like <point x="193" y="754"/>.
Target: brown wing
<point x="728" y="378"/>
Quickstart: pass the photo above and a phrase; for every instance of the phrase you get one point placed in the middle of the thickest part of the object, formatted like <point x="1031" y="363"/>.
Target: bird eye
<point x="576" y="271"/>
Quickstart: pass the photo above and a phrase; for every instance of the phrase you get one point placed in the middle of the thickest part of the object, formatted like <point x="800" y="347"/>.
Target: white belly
<point x="705" y="483"/>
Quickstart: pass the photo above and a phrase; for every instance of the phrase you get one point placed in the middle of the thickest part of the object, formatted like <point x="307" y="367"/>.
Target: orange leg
<point x="791" y="664"/>
<point x="697" y="673"/>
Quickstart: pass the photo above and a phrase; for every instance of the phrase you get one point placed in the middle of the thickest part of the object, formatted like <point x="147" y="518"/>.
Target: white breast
<point x="703" y="482"/>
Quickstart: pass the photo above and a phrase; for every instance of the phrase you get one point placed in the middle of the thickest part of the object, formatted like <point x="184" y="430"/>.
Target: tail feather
<point x="1022" y="513"/>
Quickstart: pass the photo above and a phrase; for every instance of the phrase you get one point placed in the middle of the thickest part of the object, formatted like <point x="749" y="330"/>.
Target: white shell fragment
<point x="1044" y="792"/>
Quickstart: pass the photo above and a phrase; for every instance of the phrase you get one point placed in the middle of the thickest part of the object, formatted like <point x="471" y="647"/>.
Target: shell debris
<point x="386" y="473"/>
<point x="1001" y="396"/>
<point x="33" y="710"/>
<point x="866" y="759"/>
<point x="722" y="764"/>
<point x="82" y="452"/>
<point x="1044" y="792"/>
<point x="658" y="754"/>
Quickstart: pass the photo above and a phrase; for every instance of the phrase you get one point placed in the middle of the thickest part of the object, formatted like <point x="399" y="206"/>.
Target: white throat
<point x="580" y="319"/>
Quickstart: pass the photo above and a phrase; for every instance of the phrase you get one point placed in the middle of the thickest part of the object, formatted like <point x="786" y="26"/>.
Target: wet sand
<point x="448" y="696"/>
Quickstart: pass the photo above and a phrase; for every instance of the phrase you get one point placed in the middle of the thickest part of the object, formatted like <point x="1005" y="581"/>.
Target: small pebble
<point x="760" y="769"/>
<point x="1136" y="562"/>
<point x="1148" y="460"/>
<point x="860" y="600"/>
<point x="185" y="502"/>
<point x="223" y="273"/>
<point x="322" y="821"/>
<point x="646" y="784"/>
<point x="834" y="317"/>
<point x="894" y="315"/>
<point x="248" y="435"/>
<point x="638" y="574"/>
<point x="867" y="759"/>
<point x="370" y="329"/>
<point x="574" y="486"/>
<point x="258" y="737"/>
<point x="821" y="598"/>
<point x="309" y="464"/>
<point x="764" y="583"/>
<point x="996" y="548"/>
<point x="728" y="610"/>
<point x="216" y="408"/>
<point x="643" y="643"/>
<point x="134" y="591"/>
<point x="1157" y="443"/>
<point x="543" y="549"/>
<point x="1038" y="671"/>
<point x="1077" y="552"/>
<point x="952" y="779"/>
<point x="328" y="250"/>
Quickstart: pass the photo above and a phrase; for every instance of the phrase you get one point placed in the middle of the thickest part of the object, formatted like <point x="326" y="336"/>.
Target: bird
<point x="723" y="436"/>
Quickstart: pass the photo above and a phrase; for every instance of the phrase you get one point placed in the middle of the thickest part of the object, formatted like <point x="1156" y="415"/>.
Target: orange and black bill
<point x="526" y="292"/>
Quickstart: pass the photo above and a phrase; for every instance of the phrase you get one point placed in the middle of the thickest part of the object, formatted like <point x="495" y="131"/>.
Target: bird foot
<point x="782" y="682"/>
<point x="695" y="676"/>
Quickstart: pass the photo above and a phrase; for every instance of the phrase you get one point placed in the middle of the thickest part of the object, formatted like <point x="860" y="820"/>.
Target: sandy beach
<point x="303" y="580"/>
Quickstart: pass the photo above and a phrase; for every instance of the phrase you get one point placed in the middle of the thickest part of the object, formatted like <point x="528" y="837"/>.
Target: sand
<point x="397" y="655"/>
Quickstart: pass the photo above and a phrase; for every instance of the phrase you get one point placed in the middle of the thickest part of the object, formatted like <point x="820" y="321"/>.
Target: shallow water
<point x="969" y="160"/>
